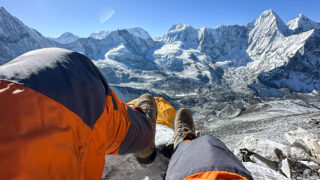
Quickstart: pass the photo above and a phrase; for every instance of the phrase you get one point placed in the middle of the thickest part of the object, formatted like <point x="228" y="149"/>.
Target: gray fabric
<point x="139" y="135"/>
<point x="206" y="153"/>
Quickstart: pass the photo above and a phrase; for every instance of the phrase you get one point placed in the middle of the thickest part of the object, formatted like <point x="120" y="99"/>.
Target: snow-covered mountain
<point x="66" y="38"/>
<point x="264" y="52"/>
<point x="16" y="38"/>
<point x="138" y="32"/>
<point x="261" y="57"/>
<point x="273" y="49"/>
<point x="100" y="34"/>
<point x="97" y="49"/>
<point x="302" y="24"/>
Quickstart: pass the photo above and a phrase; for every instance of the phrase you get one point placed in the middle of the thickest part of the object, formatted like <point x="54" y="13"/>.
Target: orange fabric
<point x="117" y="126"/>
<point x="166" y="111"/>
<point x="39" y="138"/>
<point x="187" y="140"/>
<point x="93" y="160"/>
<point x="108" y="133"/>
<point x="215" y="175"/>
<point x="42" y="139"/>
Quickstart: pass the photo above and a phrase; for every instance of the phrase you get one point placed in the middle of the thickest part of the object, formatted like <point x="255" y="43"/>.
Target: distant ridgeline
<point x="263" y="57"/>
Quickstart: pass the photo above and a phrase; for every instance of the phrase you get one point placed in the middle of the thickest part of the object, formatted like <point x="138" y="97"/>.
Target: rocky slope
<point x="271" y="134"/>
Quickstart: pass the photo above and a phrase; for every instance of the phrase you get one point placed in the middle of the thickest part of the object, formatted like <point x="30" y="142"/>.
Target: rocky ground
<point x="296" y="158"/>
<point x="261" y="128"/>
<point x="271" y="124"/>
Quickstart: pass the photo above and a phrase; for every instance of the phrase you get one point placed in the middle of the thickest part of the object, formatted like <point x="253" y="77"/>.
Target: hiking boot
<point x="148" y="106"/>
<point x="183" y="127"/>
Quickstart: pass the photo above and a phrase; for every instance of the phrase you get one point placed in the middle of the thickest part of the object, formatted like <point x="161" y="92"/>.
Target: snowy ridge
<point x="16" y="38"/>
<point x="272" y="22"/>
<point x="139" y="32"/>
<point x="184" y="33"/>
<point x="100" y="34"/>
<point x="269" y="56"/>
<point x="301" y="24"/>
<point x="66" y="38"/>
<point x="97" y="49"/>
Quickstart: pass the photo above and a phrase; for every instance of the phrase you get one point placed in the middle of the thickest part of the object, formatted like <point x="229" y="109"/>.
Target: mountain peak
<point x="4" y="12"/>
<point x="66" y="34"/>
<point x="268" y="12"/>
<point x="139" y="32"/>
<point x="301" y="17"/>
<point x="100" y="34"/>
<point x="302" y="23"/>
<point x="271" y="21"/>
<point x="183" y="33"/>
<point x="66" y="38"/>
<point x="179" y="27"/>
<point x="12" y="28"/>
<point x="2" y="9"/>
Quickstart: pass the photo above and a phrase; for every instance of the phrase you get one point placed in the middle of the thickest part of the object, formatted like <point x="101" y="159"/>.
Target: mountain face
<point x="271" y="46"/>
<point x="100" y="34"/>
<point x="16" y="38"/>
<point x="261" y="55"/>
<point x="302" y="24"/>
<point x="138" y="32"/>
<point x="98" y="49"/>
<point x="264" y="57"/>
<point x="66" y="38"/>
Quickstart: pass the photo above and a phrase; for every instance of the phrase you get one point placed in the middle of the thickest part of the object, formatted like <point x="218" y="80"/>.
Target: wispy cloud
<point x="105" y="14"/>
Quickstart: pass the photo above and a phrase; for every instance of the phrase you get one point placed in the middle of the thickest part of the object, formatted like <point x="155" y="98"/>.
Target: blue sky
<point x="82" y="17"/>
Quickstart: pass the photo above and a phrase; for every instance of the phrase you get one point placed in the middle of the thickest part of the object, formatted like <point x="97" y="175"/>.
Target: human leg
<point x="205" y="157"/>
<point x="138" y="129"/>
